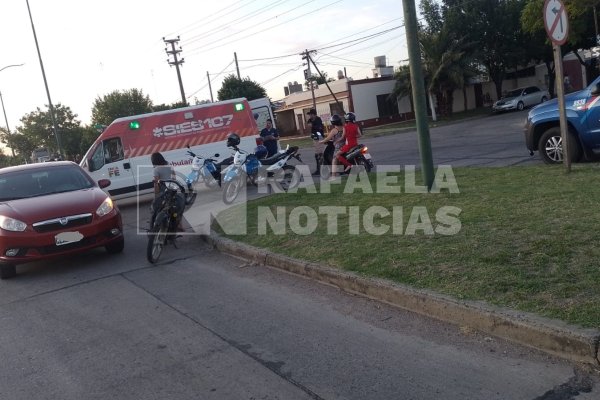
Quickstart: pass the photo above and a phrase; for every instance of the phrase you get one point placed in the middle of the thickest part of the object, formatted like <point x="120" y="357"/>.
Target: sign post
<point x="556" y="23"/>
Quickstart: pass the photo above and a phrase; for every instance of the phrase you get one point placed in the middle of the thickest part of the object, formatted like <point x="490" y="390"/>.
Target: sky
<point x="92" y="48"/>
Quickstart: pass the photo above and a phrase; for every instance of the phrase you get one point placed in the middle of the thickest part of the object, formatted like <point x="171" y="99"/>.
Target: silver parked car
<point x="518" y="99"/>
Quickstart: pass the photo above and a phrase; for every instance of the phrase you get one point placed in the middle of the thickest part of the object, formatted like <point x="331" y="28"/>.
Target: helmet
<point x="335" y="120"/>
<point x="350" y="117"/>
<point x="261" y="151"/>
<point x="233" y="140"/>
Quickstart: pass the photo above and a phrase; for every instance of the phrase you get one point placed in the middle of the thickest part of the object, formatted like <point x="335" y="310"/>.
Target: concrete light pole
<point x="50" y="106"/>
<point x="4" y="110"/>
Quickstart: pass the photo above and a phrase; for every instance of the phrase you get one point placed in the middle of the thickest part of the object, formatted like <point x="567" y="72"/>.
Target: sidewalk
<point x="551" y="336"/>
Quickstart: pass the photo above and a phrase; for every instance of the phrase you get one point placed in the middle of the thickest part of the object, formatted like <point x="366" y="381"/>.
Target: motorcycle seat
<point x="276" y="157"/>
<point x="273" y="159"/>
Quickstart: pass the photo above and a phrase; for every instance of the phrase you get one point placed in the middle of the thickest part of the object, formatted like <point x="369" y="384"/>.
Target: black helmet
<point x="350" y="117"/>
<point x="233" y="140"/>
<point x="335" y="120"/>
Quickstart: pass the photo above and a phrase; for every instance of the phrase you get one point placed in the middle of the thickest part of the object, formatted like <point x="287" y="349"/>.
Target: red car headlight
<point x="106" y="207"/>
<point x="11" y="224"/>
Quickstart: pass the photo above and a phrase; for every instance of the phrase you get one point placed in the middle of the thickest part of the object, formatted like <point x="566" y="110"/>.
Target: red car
<point x="54" y="209"/>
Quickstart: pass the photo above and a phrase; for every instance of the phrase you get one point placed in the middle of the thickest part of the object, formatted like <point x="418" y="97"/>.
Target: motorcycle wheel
<point x="290" y="179"/>
<point x="157" y="237"/>
<point x="364" y="163"/>
<point x="211" y="183"/>
<point x="231" y="190"/>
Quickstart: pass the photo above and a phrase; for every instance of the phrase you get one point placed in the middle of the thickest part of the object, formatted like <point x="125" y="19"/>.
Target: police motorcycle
<point x="255" y="168"/>
<point x="206" y="169"/>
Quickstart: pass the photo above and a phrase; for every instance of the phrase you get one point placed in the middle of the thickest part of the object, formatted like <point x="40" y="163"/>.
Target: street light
<point x="50" y="106"/>
<point x="4" y="110"/>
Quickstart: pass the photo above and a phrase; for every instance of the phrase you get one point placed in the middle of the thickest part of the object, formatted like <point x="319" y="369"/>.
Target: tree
<point x="120" y="104"/>
<point x="38" y="131"/>
<point x="581" y="33"/>
<point x="446" y="57"/>
<point x="319" y="79"/>
<point x="233" y="88"/>
<point x="494" y="25"/>
<point x="164" y="107"/>
<point x="20" y="143"/>
<point x="4" y="160"/>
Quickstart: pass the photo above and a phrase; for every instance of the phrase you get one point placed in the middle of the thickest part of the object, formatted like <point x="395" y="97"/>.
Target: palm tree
<point x="446" y="68"/>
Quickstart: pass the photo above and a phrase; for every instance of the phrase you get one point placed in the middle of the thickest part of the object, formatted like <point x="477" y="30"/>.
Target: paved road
<point x="202" y="325"/>
<point x="496" y="140"/>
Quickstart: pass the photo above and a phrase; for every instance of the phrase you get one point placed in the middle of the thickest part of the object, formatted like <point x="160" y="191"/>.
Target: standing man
<point x="270" y="136"/>
<point x="316" y="127"/>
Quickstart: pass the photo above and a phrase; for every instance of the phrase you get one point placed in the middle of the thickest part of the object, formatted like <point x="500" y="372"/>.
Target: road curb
<point x="551" y="336"/>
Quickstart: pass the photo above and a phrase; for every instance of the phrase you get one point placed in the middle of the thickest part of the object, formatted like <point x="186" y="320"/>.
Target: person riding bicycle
<point x="163" y="171"/>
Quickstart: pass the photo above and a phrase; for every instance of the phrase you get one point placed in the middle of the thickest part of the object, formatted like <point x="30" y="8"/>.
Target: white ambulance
<point x="122" y="152"/>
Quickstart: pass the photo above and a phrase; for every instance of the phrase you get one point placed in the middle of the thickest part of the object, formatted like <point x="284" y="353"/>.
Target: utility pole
<point x="176" y="63"/>
<point x="50" y="106"/>
<point x="418" y="91"/>
<point x="209" y="87"/>
<point x="237" y="66"/>
<point x="6" y="120"/>
<point x="308" y="75"/>
<point x="340" y="105"/>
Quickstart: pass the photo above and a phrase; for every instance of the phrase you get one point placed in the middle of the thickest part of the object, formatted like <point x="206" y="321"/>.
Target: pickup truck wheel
<point x="550" y="147"/>
<point x="520" y="106"/>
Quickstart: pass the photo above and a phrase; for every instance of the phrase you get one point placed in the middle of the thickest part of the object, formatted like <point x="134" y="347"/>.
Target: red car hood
<point x="51" y="206"/>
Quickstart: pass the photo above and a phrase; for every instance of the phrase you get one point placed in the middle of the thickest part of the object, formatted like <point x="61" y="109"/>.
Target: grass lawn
<point x="529" y="238"/>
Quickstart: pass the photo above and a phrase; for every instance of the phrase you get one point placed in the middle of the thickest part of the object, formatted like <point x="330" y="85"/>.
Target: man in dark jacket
<point x="270" y="136"/>
<point x="316" y="128"/>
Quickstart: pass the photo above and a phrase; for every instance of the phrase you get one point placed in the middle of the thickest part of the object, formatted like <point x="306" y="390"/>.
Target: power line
<point x="208" y="17"/>
<point x="345" y="59"/>
<point x="362" y="39"/>
<point x="198" y="37"/>
<point x="213" y="78"/>
<point x="363" y="31"/>
<point x="194" y="51"/>
<point x="288" y="71"/>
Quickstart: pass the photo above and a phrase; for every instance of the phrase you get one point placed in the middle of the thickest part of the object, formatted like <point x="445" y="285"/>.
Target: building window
<point x="387" y="106"/>
<point x="334" y="108"/>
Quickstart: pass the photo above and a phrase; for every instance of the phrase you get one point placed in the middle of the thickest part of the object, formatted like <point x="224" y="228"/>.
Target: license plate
<point x="367" y="156"/>
<point x="67" y="237"/>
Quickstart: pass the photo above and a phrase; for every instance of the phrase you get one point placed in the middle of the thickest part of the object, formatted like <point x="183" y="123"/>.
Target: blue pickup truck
<point x="542" y="129"/>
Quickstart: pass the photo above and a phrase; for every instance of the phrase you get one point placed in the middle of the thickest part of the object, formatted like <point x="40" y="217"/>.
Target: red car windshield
<point x="42" y="181"/>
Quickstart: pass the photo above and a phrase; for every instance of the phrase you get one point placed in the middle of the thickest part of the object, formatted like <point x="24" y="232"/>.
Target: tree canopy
<point x="37" y="131"/>
<point x="233" y="88"/>
<point x="319" y="79"/>
<point x="118" y="104"/>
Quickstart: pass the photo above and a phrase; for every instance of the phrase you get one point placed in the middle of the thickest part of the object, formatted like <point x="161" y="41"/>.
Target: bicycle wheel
<point x="157" y="237"/>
